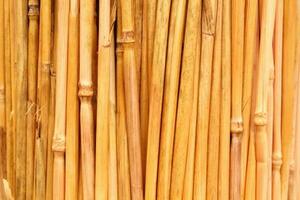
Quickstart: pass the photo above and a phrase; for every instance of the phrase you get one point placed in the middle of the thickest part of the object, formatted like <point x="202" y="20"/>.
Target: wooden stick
<point x="72" y="123"/>
<point x="138" y="19"/>
<point x="175" y="41"/>
<point x="21" y="96"/>
<point x="207" y="44"/>
<point x="260" y="120"/>
<point x="190" y="162"/>
<point x="132" y="101"/>
<point x="86" y="93"/>
<point x="288" y="93"/>
<point x="122" y="145"/>
<point x="277" y="155"/>
<point x="58" y="145"/>
<point x="251" y="26"/>
<point x="224" y="157"/>
<point x="33" y="45"/>
<point x="214" y="118"/>
<point x="102" y="135"/>
<point x="156" y="96"/>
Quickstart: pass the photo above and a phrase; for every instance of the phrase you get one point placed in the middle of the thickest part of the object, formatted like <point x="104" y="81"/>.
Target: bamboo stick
<point x="265" y="60"/>
<point x="175" y="41"/>
<point x="72" y="123"/>
<point x="214" y="119"/>
<point x="33" y="43"/>
<point x="277" y="155"/>
<point x="131" y="101"/>
<point x="138" y="19"/>
<point x="2" y="190"/>
<point x="225" y="105"/>
<point x="85" y="93"/>
<point x="156" y="95"/>
<point x="102" y="137"/>
<point x="288" y="96"/>
<point x="40" y="189"/>
<point x="189" y="169"/>
<point x="58" y="145"/>
<point x="237" y="17"/>
<point x="122" y="145"/>
<point x="251" y="26"/>
<point x="207" y="44"/>
<point x="21" y="96"/>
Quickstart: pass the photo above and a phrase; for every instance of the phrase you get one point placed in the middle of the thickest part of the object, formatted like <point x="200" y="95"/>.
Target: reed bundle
<point x="149" y="99"/>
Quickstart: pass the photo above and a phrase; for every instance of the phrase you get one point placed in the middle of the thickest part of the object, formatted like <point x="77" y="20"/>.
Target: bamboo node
<point x="46" y="67"/>
<point x="85" y="90"/>
<point x="59" y="144"/>
<point x="33" y="11"/>
<point x="236" y="125"/>
<point x="260" y="119"/>
<point x="277" y="161"/>
<point x="292" y="166"/>
<point x="127" y="37"/>
<point x="2" y="94"/>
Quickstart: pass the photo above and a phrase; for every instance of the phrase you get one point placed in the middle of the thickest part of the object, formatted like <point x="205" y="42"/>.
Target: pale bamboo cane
<point x="207" y="45"/>
<point x="185" y="98"/>
<point x="102" y="135"/>
<point x="33" y="44"/>
<point x="156" y="95"/>
<point x="7" y="63"/>
<point x="288" y="94"/>
<point x="72" y="123"/>
<point x="189" y="169"/>
<point x="86" y="93"/>
<point x="260" y="119"/>
<point x="138" y="19"/>
<point x="214" y="118"/>
<point x="251" y="20"/>
<point x="224" y="157"/>
<point x="58" y="145"/>
<point x="277" y="155"/>
<point x="175" y="41"/>
<point x="132" y="100"/>
<point x="39" y="187"/>
<point x="122" y="145"/>
<point x="21" y="96"/>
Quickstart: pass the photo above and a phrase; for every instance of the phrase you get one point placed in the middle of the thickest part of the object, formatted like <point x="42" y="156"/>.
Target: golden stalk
<point x="102" y="134"/>
<point x="72" y="123"/>
<point x="86" y="93"/>
<point x="58" y="145"/>
<point x="208" y="19"/>
<point x="21" y="96"/>
<point x="138" y="19"/>
<point x="33" y="45"/>
<point x="175" y="41"/>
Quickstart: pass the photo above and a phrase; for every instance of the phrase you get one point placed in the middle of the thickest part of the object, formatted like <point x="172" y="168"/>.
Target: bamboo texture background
<point x="149" y="99"/>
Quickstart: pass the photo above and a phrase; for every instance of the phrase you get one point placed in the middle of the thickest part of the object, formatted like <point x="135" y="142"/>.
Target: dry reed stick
<point x="251" y="20"/>
<point x="102" y="137"/>
<point x="237" y="35"/>
<point x="156" y="95"/>
<point x="39" y="185"/>
<point x="138" y="19"/>
<point x="190" y="160"/>
<point x="58" y="145"/>
<point x="122" y="144"/>
<point x="224" y="157"/>
<point x="72" y="123"/>
<point x="132" y="100"/>
<point x="288" y="96"/>
<point x="2" y="190"/>
<point x="33" y="45"/>
<point x="214" y="118"/>
<point x="207" y="45"/>
<point x="175" y="41"/>
<point x="265" y="60"/>
<point x="21" y="96"/>
<point x="86" y="93"/>
<point x="277" y="155"/>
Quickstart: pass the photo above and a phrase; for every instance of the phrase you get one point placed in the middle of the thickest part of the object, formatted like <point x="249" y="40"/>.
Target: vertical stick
<point x="72" y="123"/>
<point x="86" y="93"/>
<point x="58" y="145"/>
<point x="21" y="96"/>
<point x="207" y="45"/>
<point x="33" y="45"/>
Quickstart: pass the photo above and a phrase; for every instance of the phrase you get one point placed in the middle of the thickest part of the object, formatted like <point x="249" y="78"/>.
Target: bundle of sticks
<point x="149" y="99"/>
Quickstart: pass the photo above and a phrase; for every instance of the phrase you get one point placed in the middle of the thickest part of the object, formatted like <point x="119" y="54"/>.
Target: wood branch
<point x="175" y="43"/>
